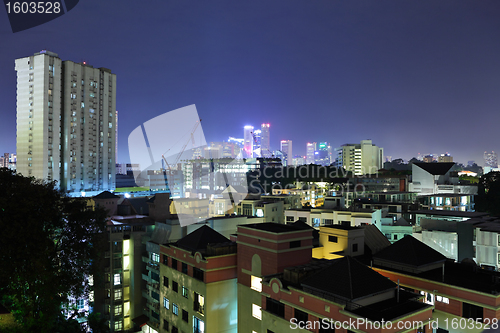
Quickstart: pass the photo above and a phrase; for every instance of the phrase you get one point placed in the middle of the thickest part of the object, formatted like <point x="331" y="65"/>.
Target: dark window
<point x="354" y="247"/>
<point x="155" y="295"/>
<point x="175" y="286"/>
<point x="165" y="281"/>
<point x="184" y="268"/>
<point x="165" y="260"/>
<point x="301" y="315"/>
<point x="185" y="316"/>
<point x="289" y="218"/>
<point x="155" y="315"/>
<point x="155" y="277"/>
<point x="472" y="311"/>
<point x="174" y="329"/>
<point x="174" y="263"/>
<point x="197" y="273"/>
<point x="165" y="325"/>
<point x="269" y="331"/>
<point x="275" y="307"/>
<point x="395" y="237"/>
<point x="333" y="239"/>
<point x="294" y="244"/>
<point x="303" y="219"/>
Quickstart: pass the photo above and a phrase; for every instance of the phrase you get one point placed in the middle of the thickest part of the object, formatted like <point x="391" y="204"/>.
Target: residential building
<point x="66" y="122"/>
<point x="436" y="178"/>
<point x="445" y="158"/>
<point x="362" y="159"/>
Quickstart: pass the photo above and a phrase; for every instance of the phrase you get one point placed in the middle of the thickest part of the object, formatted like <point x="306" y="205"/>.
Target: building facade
<point x="66" y="122"/>
<point x="363" y="158"/>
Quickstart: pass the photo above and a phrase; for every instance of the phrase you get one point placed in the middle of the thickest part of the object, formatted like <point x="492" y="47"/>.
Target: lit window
<point x="118" y="294"/>
<point x="118" y="310"/>
<point x="185" y="292"/>
<point x="256" y="283"/>
<point x="256" y="311"/>
<point x="80" y="304"/>
<point x="118" y="325"/>
<point x="117" y="279"/>
<point x="166" y="303"/>
<point x="155" y="257"/>
<point x="175" y="309"/>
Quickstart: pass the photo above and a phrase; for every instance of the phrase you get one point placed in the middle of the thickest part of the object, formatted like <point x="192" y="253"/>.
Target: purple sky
<point x="413" y="76"/>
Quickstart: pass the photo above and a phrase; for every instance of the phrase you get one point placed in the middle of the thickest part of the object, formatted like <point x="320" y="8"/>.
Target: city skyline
<point x="409" y="76"/>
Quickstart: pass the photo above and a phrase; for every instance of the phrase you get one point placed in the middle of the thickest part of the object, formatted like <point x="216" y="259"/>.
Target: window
<point x="198" y="274"/>
<point x="165" y="281"/>
<point x="165" y="325"/>
<point x="199" y="303"/>
<point x="289" y="218"/>
<point x="256" y="311"/>
<point x="80" y="304"/>
<point x="472" y="311"/>
<point x="175" y="286"/>
<point x="185" y="316"/>
<point x="301" y="315"/>
<point x="155" y="257"/>
<point x="395" y="237"/>
<point x="275" y="307"/>
<point x="184" y="268"/>
<point x="118" y="310"/>
<point x="118" y="325"/>
<point x="117" y="279"/>
<point x="256" y="283"/>
<point x="175" y="329"/>
<point x="294" y="244"/>
<point x="175" y="309"/>
<point x="118" y="294"/>
<point x="165" y="260"/>
<point x="333" y="239"/>
<point x="354" y="248"/>
<point x="185" y="292"/>
<point x="166" y="303"/>
<point x="198" y="325"/>
<point x="174" y="263"/>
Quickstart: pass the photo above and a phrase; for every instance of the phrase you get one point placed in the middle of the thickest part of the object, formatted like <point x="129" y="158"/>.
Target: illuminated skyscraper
<point x="66" y="122"/>
<point x="311" y="148"/>
<point x="248" y="141"/>
<point x="265" y="141"/>
<point x="362" y="158"/>
<point x="286" y="148"/>
<point x="257" y="139"/>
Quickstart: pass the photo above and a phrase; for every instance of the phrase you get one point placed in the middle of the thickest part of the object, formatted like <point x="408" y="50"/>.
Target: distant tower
<point x="248" y="141"/>
<point x="265" y="140"/>
<point x="257" y="136"/>
<point x="310" y="149"/>
<point x="321" y="156"/>
<point x="286" y="148"/>
<point x="445" y="158"/>
<point x="491" y="159"/>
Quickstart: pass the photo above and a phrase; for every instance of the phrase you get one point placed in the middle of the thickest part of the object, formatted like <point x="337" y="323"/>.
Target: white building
<point x="66" y="122"/>
<point x="361" y="159"/>
<point x="310" y="149"/>
<point x="286" y="149"/>
<point x="265" y="140"/>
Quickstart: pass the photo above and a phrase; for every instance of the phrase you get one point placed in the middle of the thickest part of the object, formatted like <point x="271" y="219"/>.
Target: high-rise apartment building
<point x="265" y="140"/>
<point x="361" y="159"/>
<point x="445" y="158"/>
<point x="248" y="141"/>
<point x="491" y="159"/>
<point x="310" y="149"/>
<point x="286" y="149"/>
<point x="257" y="144"/>
<point x="66" y="122"/>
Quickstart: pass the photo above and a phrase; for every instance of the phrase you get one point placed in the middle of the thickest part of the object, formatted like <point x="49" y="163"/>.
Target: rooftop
<point x="454" y="213"/>
<point x="275" y="227"/>
<point x="435" y="168"/>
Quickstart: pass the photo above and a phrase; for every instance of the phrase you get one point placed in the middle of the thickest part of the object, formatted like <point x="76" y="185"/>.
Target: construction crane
<point x="191" y="138"/>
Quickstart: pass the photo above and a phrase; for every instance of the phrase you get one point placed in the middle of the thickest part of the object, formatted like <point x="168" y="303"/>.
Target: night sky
<point x="413" y="76"/>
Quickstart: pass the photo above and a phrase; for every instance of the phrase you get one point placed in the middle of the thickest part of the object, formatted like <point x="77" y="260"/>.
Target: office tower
<point x="265" y="141"/>
<point x="66" y="122"/>
<point x="491" y="159"/>
<point x="429" y="158"/>
<point x="310" y="150"/>
<point x="444" y="158"/>
<point x="322" y="156"/>
<point x="361" y="159"/>
<point x="286" y="149"/>
<point x="257" y="136"/>
<point x="248" y="141"/>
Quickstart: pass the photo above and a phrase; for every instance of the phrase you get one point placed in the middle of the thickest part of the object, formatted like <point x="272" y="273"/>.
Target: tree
<point x="47" y="249"/>
<point x="488" y="198"/>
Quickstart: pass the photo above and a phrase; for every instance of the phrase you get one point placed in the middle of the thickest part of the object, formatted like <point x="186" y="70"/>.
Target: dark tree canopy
<point x="488" y="198"/>
<point x="47" y="248"/>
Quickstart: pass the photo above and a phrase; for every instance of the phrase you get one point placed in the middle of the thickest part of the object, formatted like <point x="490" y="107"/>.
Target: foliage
<point x="98" y="323"/>
<point x="47" y="249"/>
<point x="488" y="198"/>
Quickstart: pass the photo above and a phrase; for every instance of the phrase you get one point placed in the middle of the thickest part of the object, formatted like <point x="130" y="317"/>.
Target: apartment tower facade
<point x="66" y="122"/>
